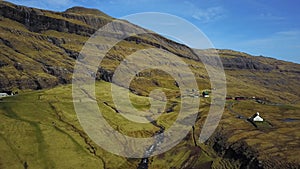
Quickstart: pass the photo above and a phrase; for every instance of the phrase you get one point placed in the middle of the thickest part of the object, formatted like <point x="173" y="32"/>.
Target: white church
<point x="256" y="118"/>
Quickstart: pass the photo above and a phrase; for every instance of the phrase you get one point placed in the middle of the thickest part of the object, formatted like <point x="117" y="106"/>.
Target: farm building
<point x="240" y="98"/>
<point x="256" y="118"/>
<point x="228" y="98"/>
<point x="7" y="93"/>
<point x="3" y="95"/>
<point x="205" y="94"/>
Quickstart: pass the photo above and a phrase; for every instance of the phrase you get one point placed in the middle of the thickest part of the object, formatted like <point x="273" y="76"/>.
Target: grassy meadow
<point x="40" y="129"/>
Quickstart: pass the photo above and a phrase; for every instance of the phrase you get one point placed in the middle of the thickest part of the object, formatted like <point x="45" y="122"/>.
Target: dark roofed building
<point x="205" y="94"/>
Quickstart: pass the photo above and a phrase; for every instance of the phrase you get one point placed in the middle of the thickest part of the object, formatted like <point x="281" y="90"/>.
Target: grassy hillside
<point x="35" y="55"/>
<point x="39" y="127"/>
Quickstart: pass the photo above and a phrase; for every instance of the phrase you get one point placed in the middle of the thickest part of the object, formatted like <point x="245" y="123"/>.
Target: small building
<point x="3" y="95"/>
<point x="256" y="118"/>
<point x="205" y="94"/>
<point x="240" y="98"/>
<point x="228" y="98"/>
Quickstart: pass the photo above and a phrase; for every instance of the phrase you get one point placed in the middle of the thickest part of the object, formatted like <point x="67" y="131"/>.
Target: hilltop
<point x="37" y="57"/>
<point x="39" y="49"/>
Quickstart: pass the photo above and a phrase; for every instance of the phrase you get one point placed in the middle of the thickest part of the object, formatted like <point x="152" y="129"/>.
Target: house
<point x="7" y="93"/>
<point x="240" y="98"/>
<point x="256" y="118"/>
<point x="205" y="94"/>
<point x="3" y="95"/>
<point x="228" y="98"/>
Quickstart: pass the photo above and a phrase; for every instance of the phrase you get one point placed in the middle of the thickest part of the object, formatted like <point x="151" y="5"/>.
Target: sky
<point x="259" y="27"/>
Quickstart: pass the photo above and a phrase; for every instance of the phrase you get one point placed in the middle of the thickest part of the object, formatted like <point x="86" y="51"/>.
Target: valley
<point x="39" y="127"/>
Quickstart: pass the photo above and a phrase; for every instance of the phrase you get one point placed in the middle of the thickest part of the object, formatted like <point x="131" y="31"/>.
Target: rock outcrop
<point x="39" y="49"/>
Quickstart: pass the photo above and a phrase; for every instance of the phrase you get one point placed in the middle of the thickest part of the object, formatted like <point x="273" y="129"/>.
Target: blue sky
<point x="259" y="27"/>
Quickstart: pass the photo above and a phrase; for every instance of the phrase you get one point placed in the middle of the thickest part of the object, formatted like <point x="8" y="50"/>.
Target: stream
<point x="159" y="138"/>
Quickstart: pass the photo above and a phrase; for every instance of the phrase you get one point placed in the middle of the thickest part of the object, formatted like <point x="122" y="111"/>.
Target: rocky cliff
<point x="50" y="42"/>
<point x="39" y="49"/>
<point x="51" y="48"/>
<point x="247" y="156"/>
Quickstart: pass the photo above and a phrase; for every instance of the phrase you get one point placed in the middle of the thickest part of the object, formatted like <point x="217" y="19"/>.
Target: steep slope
<point x="39" y="49"/>
<point x="266" y="75"/>
<point x="49" y="42"/>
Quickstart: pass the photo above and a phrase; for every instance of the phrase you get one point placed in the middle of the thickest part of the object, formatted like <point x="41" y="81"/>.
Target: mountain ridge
<point x="39" y="49"/>
<point x="56" y="39"/>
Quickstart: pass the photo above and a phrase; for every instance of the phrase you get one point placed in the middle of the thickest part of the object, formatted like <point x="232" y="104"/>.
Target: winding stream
<point x="159" y="138"/>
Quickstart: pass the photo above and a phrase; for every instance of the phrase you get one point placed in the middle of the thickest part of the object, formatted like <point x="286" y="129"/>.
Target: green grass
<point x="273" y="136"/>
<point x="41" y="128"/>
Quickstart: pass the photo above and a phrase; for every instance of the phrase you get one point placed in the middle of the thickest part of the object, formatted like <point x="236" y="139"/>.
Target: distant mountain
<point x="39" y="49"/>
